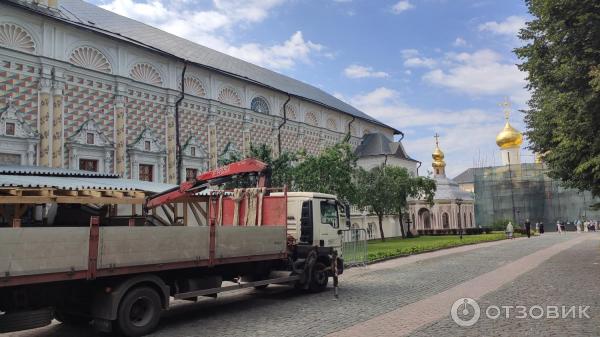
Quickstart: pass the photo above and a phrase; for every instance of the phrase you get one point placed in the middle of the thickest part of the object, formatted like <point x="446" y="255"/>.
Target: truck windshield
<point x="329" y="214"/>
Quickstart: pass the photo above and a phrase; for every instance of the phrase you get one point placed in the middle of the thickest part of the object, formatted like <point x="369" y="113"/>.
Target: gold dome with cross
<point x="509" y="137"/>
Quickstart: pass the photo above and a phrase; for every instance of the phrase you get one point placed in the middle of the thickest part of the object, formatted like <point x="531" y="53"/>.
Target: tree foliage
<point x="386" y="190"/>
<point x="329" y="172"/>
<point x="562" y="59"/>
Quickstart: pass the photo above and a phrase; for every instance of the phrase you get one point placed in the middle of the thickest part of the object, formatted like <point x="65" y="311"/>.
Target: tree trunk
<point x="401" y="225"/>
<point x="380" y="217"/>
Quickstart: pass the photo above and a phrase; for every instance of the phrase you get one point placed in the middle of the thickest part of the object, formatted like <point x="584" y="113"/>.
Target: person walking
<point x="509" y="230"/>
<point x="542" y="227"/>
<point x="559" y="227"/>
<point x="528" y="228"/>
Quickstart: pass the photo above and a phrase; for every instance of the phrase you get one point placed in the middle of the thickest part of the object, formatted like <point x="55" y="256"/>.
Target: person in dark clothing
<point x="541" y="228"/>
<point x="528" y="228"/>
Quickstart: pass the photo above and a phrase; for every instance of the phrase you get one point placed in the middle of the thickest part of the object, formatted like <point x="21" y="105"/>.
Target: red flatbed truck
<point x="190" y="242"/>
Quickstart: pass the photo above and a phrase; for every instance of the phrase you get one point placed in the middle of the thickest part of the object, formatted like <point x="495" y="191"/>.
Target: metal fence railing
<point x="354" y="247"/>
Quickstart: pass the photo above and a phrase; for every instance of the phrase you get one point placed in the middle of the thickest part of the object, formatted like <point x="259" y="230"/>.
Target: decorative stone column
<point x="57" y="123"/>
<point x="246" y="141"/>
<point x="44" y="121"/>
<point x="322" y="142"/>
<point x="120" y="135"/>
<point x="275" y="139"/>
<point x="171" y="146"/>
<point x="212" y="141"/>
<point x="301" y="137"/>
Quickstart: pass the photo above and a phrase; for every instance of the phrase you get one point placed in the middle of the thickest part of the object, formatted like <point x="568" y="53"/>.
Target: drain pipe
<point x="177" y="140"/>
<point x="283" y="123"/>
<point x="418" y="167"/>
<point x="349" y="134"/>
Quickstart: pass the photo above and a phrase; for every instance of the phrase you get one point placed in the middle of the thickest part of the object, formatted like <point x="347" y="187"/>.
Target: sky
<point x="420" y="66"/>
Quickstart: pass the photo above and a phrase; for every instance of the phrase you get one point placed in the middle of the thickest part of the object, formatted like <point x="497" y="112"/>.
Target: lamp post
<point x="459" y="202"/>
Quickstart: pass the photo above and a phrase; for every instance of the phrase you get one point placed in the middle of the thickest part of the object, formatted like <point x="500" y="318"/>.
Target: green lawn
<point x="378" y="250"/>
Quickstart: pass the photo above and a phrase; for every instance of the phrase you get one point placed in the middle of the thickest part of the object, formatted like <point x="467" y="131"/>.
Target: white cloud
<point x="510" y="26"/>
<point x="459" y="42"/>
<point x="480" y="73"/>
<point x="417" y="62"/>
<point x="412" y="59"/>
<point x="406" y="53"/>
<point x="358" y="71"/>
<point x="402" y="6"/>
<point x="213" y="24"/>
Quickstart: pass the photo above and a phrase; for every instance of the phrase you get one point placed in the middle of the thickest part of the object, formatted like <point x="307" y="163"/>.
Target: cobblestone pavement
<point x="569" y="279"/>
<point x="367" y="293"/>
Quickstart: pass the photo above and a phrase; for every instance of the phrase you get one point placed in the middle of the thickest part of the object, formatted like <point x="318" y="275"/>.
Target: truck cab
<point x="315" y="219"/>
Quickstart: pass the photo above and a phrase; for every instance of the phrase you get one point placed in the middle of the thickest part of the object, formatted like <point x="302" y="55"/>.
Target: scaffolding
<point x="524" y="191"/>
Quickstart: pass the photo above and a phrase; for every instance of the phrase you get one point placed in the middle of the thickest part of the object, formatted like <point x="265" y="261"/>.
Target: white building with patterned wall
<point x="85" y="88"/>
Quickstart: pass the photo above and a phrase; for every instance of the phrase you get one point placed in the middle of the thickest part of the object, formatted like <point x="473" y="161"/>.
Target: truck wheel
<point x="319" y="278"/>
<point x="139" y="312"/>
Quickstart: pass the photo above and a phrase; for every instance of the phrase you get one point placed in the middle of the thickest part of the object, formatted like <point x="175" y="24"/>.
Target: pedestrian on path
<point x="542" y="227"/>
<point x="558" y="227"/>
<point x="528" y="228"/>
<point x="578" y="226"/>
<point x="509" y="230"/>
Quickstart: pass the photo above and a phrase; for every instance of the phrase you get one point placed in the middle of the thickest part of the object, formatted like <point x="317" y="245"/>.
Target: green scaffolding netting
<point x="524" y="191"/>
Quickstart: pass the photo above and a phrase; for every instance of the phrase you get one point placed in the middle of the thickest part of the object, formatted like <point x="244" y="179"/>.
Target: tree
<point x="385" y="190"/>
<point x="374" y="190"/>
<point x="562" y="59"/>
<point x="329" y="172"/>
<point x="282" y="167"/>
<point x="404" y="186"/>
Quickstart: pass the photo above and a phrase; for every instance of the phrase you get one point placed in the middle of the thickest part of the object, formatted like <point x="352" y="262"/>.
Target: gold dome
<point x="509" y="137"/>
<point x="438" y="155"/>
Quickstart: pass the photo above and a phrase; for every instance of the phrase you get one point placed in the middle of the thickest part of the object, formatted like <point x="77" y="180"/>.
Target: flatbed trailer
<point x="187" y="242"/>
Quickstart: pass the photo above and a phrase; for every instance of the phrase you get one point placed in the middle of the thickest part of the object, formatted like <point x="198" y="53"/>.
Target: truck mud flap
<point x="23" y="320"/>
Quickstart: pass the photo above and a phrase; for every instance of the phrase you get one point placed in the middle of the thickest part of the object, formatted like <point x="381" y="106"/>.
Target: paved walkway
<point x="410" y="295"/>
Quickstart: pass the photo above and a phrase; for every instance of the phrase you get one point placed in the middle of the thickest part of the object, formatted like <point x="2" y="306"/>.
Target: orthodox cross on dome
<point x="437" y="138"/>
<point x="506" y="105"/>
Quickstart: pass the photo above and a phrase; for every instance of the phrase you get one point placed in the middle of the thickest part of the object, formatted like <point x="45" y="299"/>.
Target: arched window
<point x="425" y="218"/>
<point x="413" y="221"/>
<point x="259" y="105"/>
<point x="465" y="218"/>
<point x="471" y="219"/>
<point x="445" y="220"/>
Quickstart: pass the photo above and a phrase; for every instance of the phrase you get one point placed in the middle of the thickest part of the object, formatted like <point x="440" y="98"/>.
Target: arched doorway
<point x="425" y="218"/>
<point x="445" y="220"/>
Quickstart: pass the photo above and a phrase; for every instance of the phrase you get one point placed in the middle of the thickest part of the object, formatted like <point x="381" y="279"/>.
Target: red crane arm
<point x="203" y="180"/>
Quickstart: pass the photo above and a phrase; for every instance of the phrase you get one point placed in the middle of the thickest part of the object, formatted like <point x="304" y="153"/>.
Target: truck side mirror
<point x="347" y="211"/>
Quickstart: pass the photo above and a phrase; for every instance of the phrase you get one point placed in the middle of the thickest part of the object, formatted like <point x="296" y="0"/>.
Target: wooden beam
<point x="195" y="213"/>
<point x="166" y="211"/>
<point x="90" y="193"/>
<point x="185" y="213"/>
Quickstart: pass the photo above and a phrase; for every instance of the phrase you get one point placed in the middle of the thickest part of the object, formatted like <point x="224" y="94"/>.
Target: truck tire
<point x="139" y="312"/>
<point x="319" y="278"/>
<point x="25" y="320"/>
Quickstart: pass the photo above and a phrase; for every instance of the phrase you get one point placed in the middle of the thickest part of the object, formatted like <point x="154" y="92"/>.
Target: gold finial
<point x="506" y="105"/>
